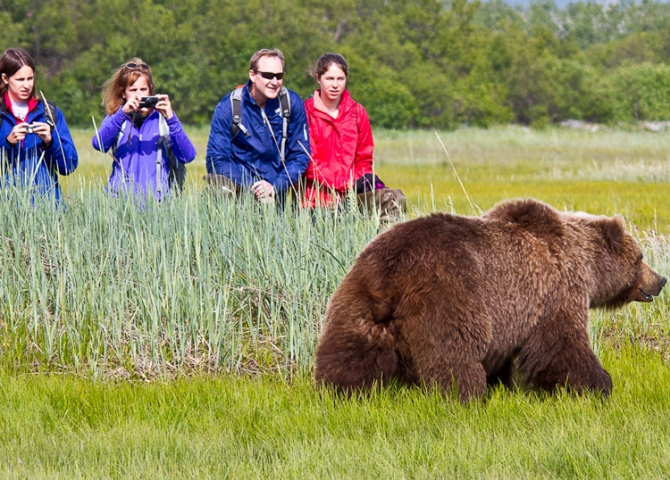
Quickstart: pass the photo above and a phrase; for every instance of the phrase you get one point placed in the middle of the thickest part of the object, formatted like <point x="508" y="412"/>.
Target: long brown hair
<point x="13" y="60"/>
<point x="127" y="74"/>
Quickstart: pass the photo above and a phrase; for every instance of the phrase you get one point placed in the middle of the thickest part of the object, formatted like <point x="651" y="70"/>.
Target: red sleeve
<point x="366" y="145"/>
<point x="310" y="174"/>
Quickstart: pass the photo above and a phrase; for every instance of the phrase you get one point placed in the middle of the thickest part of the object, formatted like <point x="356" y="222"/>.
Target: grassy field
<point x="54" y="427"/>
<point x="604" y="172"/>
<point x="121" y="324"/>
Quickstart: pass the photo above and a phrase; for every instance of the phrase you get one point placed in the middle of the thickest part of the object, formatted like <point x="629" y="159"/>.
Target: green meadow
<point x="176" y="340"/>
<point x="606" y="172"/>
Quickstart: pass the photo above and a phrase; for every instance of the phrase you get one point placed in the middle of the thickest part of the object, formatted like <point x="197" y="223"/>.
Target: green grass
<point x="218" y="305"/>
<point x="54" y="427"/>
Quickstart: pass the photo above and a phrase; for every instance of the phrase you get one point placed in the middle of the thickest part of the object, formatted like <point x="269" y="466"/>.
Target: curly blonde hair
<point x="127" y="74"/>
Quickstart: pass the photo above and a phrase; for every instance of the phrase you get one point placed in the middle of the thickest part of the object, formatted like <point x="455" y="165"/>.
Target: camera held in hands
<point x="148" y="102"/>
<point x="30" y="128"/>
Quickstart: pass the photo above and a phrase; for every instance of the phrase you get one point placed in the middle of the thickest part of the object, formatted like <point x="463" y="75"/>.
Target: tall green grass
<point x="131" y="287"/>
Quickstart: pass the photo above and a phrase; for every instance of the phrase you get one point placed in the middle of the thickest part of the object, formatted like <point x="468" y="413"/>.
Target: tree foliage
<point x="413" y="63"/>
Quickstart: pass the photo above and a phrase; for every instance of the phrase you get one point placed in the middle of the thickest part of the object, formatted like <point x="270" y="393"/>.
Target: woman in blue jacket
<point x="133" y="133"/>
<point x="35" y="143"/>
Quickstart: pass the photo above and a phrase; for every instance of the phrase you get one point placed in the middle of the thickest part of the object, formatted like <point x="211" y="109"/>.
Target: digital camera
<point x="30" y="129"/>
<point x="148" y="102"/>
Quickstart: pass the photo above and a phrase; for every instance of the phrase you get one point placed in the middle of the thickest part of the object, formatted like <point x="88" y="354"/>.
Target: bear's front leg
<point x="558" y="353"/>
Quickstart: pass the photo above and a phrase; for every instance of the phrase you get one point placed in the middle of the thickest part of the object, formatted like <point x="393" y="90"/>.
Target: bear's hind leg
<point x="353" y="356"/>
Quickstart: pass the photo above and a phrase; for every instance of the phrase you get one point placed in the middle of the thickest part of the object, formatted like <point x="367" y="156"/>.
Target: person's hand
<point x="264" y="191"/>
<point x="18" y="133"/>
<point x="132" y="104"/>
<point x="164" y="106"/>
<point x="42" y="130"/>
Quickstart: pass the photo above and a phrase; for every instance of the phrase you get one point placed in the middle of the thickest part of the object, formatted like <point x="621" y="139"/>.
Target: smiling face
<point x="332" y="83"/>
<point x="20" y="85"/>
<point x="263" y="89"/>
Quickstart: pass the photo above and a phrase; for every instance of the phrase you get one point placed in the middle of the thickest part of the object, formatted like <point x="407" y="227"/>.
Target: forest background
<point x="418" y="63"/>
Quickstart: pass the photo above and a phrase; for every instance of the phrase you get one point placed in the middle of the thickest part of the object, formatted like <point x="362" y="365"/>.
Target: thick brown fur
<point x="452" y="301"/>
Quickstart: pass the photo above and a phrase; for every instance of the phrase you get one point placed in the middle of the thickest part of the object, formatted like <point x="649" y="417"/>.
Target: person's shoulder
<point x="309" y="102"/>
<point x="295" y="98"/>
<point x="224" y="104"/>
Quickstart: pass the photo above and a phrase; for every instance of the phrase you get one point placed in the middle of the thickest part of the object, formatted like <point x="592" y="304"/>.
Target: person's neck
<point x="327" y="105"/>
<point x="16" y="101"/>
<point x="258" y="97"/>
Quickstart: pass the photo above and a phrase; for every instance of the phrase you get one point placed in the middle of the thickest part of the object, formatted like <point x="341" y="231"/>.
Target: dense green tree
<point x="414" y="63"/>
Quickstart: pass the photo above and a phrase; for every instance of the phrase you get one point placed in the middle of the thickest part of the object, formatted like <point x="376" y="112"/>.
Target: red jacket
<point x="341" y="150"/>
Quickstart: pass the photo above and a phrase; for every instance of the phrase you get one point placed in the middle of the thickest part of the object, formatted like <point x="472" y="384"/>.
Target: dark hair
<point x="265" y="52"/>
<point x="127" y="74"/>
<point x="13" y="60"/>
<point x="324" y="63"/>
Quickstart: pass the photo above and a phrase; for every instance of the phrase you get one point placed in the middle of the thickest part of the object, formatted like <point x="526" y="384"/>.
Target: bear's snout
<point x="651" y="284"/>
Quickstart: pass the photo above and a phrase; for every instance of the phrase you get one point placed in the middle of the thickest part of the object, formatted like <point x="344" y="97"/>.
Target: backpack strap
<point x="119" y="137"/>
<point x="50" y="113"/>
<point x="236" y="107"/>
<point x="177" y="170"/>
<point x="285" y="107"/>
<point x="163" y="132"/>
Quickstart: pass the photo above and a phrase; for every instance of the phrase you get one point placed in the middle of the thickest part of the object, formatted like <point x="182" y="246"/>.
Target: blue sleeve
<point x="220" y="142"/>
<point x="5" y="129"/>
<point x="62" y="153"/>
<point x="297" y="146"/>
<point x="109" y="130"/>
<point x="179" y="141"/>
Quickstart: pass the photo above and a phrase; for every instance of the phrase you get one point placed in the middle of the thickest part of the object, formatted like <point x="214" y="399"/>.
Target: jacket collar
<point x="271" y="105"/>
<point x="6" y="106"/>
<point x="346" y="103"/>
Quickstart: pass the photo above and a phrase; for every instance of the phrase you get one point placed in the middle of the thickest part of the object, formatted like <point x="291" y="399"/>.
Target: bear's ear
<point x="613" y="230"/>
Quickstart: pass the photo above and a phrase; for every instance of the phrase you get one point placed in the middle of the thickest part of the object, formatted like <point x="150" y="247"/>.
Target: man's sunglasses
<point x="138" y="66"/>
<point x="271" y="75"/>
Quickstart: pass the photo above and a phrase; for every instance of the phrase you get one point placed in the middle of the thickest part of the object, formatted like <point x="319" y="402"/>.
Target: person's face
<point x="332" y="83"/>
<point x="21" y="84"/>
<point x="138" y="89"/>
<point x="268" y="88"/>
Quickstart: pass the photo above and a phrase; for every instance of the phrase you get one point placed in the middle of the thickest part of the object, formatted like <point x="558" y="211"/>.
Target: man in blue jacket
<point x="259" y="147"/>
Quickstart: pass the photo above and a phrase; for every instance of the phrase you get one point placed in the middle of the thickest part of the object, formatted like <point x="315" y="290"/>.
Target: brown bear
<point x="450" y="301"/>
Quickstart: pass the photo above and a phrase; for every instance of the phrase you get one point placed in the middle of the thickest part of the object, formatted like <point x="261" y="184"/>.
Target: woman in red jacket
<point x="340" y="138"/>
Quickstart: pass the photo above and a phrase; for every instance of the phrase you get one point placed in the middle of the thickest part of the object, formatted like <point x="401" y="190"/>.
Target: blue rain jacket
<point x="24" y="161"/>
<point x="245" y="160"/>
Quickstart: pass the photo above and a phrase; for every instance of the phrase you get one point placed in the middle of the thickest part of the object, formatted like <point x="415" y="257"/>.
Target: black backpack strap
<point x="50" y="113"/>
<point x="176" y="170"/>
<point x="236" y="107"/>
<point x="285" y="107"/>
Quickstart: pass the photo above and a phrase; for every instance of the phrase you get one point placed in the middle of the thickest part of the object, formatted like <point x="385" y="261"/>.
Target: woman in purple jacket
<point x="133" y="132"/>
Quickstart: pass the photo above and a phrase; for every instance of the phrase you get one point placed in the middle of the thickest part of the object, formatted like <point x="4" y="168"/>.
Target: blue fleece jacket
<point x="134" y="168"/>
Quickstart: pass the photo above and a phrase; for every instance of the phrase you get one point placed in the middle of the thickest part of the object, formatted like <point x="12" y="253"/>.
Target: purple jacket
<point x="135" y="158"/>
